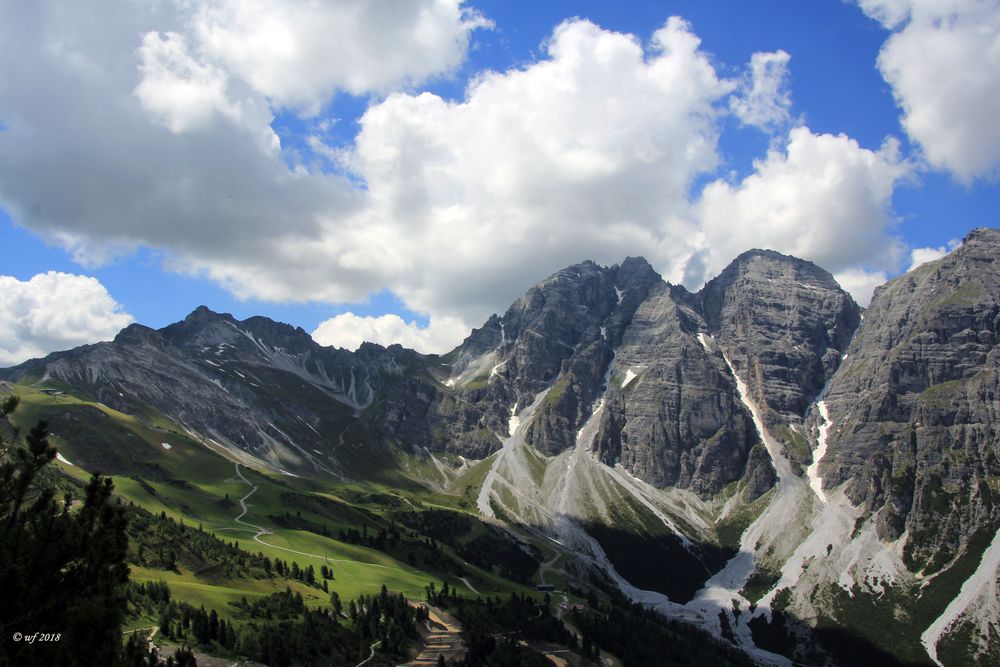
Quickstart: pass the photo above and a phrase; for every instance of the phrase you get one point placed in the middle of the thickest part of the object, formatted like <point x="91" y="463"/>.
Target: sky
<point x="398" y="170"/>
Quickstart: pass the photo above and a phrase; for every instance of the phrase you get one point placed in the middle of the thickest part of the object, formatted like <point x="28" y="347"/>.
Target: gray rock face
<point x="678" y="420"/>
<point x="587" y="333"/>
<point x="255" y="386"/>
<point x="560" y="334"/>
<point x="568" y="405"/>
<point x="582" y="377"/>
<point x="675" y="416"/>
<point x="421" y="415"/>
<point x="784" y="324"/>
<point x="547" y="324"/>
<point x="915" y="405"/>
<point x="505" y="363"/>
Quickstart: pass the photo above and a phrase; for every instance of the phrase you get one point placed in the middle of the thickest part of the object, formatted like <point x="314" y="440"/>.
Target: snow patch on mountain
<point x="815" y="481"/>
<point x="514" y="420"/>
<point x="721" y="592"/>
<point x="708" y="342"/>
<point x="485" y="365"/>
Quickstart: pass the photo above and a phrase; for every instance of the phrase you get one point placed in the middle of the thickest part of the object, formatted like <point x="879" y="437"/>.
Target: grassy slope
<point x="190" y="483"/>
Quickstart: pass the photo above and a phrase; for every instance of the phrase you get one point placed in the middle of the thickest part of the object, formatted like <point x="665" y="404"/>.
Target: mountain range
<point x="806" y="479"/>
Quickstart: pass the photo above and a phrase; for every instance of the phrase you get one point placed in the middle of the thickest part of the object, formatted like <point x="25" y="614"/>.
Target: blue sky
<point x="434" y="166"/>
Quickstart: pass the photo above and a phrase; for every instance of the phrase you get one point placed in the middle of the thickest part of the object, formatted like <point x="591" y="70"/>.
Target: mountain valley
<point x="801" y="479"/>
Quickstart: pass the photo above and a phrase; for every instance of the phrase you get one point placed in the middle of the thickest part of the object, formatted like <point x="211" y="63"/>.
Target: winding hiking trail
<point x="442" y="633"/>
<point x="243" y="505"/>
<point x="260" y="530"/>
<point x="373" y="647"/>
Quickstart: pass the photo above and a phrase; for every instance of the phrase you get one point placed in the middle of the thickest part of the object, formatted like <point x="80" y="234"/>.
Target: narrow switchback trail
<point x="243" y="506"/>
<point x="260" y="530"/>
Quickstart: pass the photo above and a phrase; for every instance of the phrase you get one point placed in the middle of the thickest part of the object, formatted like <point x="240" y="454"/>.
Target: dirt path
<point x="149" y="638"/>
<point x="374" y="646"/>
<point x="243" y="505"/>
<point x="547" y="565"/>
<point x="470" y="586"/>
<point x="260" y="530"/>
<point x="441" y="636"/>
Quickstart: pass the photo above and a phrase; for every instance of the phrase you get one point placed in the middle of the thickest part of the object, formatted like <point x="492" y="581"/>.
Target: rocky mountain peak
<point x="279" y="334"/>
<point x="915" y="402"/>
<point x="634" y="279"/>
<point x="635" y="271"/>
<point x="784" y="324"/>
<point x="138" y="334"/>
<point x="982" y="236"/>
<point x="483" y="339"/>
<point x="203" y="315"/>
<point x="767" y="264"/>
<point x="580" y="288"/>
<point x="202" y="327"/>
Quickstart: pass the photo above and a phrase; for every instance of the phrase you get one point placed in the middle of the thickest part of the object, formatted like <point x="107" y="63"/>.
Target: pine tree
<point x="60" y="571"/>
<point x="184" y="657"/>
<point x="338" y="606"/>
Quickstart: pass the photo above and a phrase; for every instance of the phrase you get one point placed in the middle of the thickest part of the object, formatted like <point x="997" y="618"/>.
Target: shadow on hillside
<point x="660" y="563"/>
<point x="666" y="566"/>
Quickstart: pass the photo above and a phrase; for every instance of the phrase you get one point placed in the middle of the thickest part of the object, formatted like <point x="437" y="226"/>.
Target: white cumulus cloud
<point x="823" y="198"/>
<point x="583" y="154"/>
<point x="54" y="311"/>
<point x="349" y="331"/>
<point x="920" y="256"/>
<point x="588" y="153"/>
<point x="591" y="151"/>
<point x="860" y="283"/>
<point x="943" y="63"/>
<point x="764" y="100"/>
<point x="299" y="53"/>
<point x="181" y="93"/>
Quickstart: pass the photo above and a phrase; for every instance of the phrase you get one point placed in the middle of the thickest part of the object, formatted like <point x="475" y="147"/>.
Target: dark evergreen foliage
<point x="642" y="637"/>
<point x="62" y="562"/>
<point x="493" y="628"/>
<point x="159" y="542"/>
